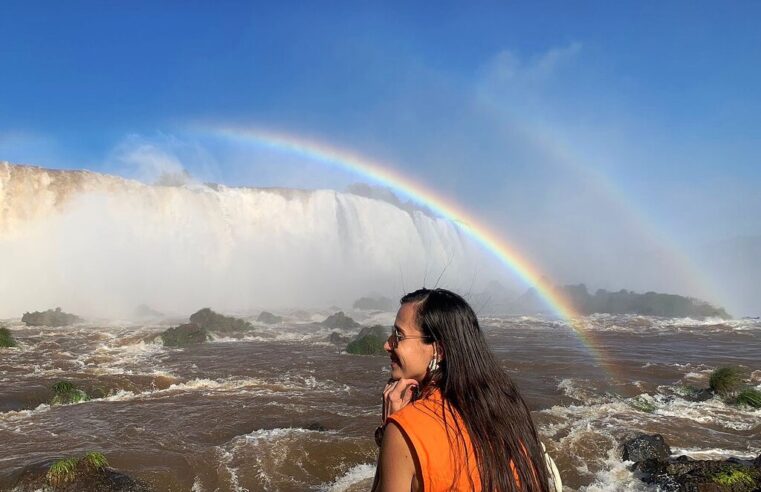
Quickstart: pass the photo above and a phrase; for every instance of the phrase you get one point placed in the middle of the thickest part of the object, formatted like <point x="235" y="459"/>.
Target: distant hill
<point x="621" y="302"/>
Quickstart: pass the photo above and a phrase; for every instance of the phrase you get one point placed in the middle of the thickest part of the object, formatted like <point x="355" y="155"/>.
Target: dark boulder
<point x="269" y="318"/>
<point x="315" y="426"/>
<point x="684" y="474"/>
<point x="183" y="335"/>
<point x="340" y="321"/>
<point x="691" y="393"/>
<point x="369" y="341"/>
<point x="211" y="321"/>
<point x="646" y="447"/>
<point x="51" y="317"/>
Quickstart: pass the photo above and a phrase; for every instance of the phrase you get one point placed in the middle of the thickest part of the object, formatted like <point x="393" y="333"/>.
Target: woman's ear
<point x="439" y="351"/>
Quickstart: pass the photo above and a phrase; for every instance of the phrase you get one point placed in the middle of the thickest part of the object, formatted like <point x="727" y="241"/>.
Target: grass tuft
<point x="95" y="460"/>
<point x="6" y="339"/>
<point x="62" y="471"/>
<point x="750" y="397"/>
<point x="726" y="380"/>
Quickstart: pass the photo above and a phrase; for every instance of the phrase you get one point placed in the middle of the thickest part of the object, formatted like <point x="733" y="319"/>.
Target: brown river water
<point x="283" y="409"/>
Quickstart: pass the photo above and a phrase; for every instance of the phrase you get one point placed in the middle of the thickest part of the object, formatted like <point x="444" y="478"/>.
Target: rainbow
<point x="385" y="175"/>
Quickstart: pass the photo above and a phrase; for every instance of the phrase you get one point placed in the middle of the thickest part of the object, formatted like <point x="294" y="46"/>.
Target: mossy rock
<point x="369" y="341"/>
<point x="6" y="339"/>
<point x="268" y="318"/>
<point x="66" y="393"/>
<point x="51" y="317"/>
<point x="183" y="335"/>
<point x="750" y="397"/>
<point x="642" y="404"/>
<point x="340" y="321"/>
<point x="211" y="321"/>
<point x="90" y="473"/>
<point x="725" y="381"/>
<point x="736" y="478"/>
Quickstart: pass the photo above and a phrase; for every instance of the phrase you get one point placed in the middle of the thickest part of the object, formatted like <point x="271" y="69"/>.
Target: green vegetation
<point x="750" y="397"/>
<point x="628" y="302"/>
<point x="66" y="393"/>
<point x="726" y="380"/>
<point x="51" y="317"/>
<point x="370" y="341"/>
<point x="642" y="404"/>
<point x="94" y="460"/>
<point x="6" y="339"/>
<point x="62" y="471"/>
<point x="67" y="470"/>
<point x="734" y="477"/>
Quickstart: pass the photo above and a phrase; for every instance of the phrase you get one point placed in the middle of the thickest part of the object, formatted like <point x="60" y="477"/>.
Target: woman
<point x="453" y="419"/>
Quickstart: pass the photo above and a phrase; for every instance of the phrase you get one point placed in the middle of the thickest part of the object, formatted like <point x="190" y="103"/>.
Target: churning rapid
<point x="284" y="408"/>
<point x="101" y="245"/>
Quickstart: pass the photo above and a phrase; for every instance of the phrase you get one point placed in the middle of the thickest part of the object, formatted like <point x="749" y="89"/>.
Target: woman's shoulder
<point x="427" y="410"/>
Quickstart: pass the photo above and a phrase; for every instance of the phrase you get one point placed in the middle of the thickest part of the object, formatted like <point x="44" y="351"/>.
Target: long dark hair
<point x="473" y="383"/>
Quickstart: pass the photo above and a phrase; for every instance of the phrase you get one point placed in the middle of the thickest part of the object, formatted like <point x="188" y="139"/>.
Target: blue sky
<point x="636" y="124"/>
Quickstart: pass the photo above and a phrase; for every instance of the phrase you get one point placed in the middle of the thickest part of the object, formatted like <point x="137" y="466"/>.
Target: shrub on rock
<point x="211" y="321"/>
<point x="65" y="393"/>
<point x="6" y="339"/>
<point x="369" y="341"/>
<point x="726" y="380"/>
<point x="74" y="474"/>
<point x="750" y="397"/>
<point x="51" y="317"/>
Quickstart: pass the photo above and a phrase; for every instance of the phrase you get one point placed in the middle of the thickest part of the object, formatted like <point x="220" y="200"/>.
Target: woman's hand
<point x="397" y="394"/>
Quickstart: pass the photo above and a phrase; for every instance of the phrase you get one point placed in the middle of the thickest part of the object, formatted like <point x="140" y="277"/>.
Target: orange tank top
<point x="445" y="461"/>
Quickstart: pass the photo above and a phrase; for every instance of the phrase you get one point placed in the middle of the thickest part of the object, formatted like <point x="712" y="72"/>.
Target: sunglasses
<point x="396" y="337"/>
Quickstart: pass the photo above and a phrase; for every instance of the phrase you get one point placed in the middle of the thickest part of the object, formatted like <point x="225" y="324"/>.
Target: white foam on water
<point x="615" y="476"/>
<point x="353" y="476"/>
<point x="716" y="453"/>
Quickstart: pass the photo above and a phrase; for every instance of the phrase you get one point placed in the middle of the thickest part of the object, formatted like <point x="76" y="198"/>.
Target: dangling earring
<point x="434" y="364"/>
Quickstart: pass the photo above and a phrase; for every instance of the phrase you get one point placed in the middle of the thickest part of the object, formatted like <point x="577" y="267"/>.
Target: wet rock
<point x="90" y="473"/>
<point x="369" y="341"/>
<point x="379" y="303"/>
<point x="646" y="447"/>
<point x="211" y="321"/>
<point x="315" y="426"/>
<point x="6" y="339"/>
<point x="269" y="318"/>
<point x="697" y="394"/>
<point x="51" y="317"/>
<point x="337" y="338"/>
<point x="340" y="321"/>
<point x="685" y="474"/>
<point x="183" y="335"/>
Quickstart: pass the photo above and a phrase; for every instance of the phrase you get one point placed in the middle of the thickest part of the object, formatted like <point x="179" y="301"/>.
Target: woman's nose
<point x="387" y="345"/>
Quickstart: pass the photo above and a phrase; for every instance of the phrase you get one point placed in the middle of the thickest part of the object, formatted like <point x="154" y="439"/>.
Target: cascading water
<point x="102" y="245"/>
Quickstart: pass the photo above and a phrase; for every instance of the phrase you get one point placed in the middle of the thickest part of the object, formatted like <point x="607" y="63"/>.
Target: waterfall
<point x="101" y="245"/>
